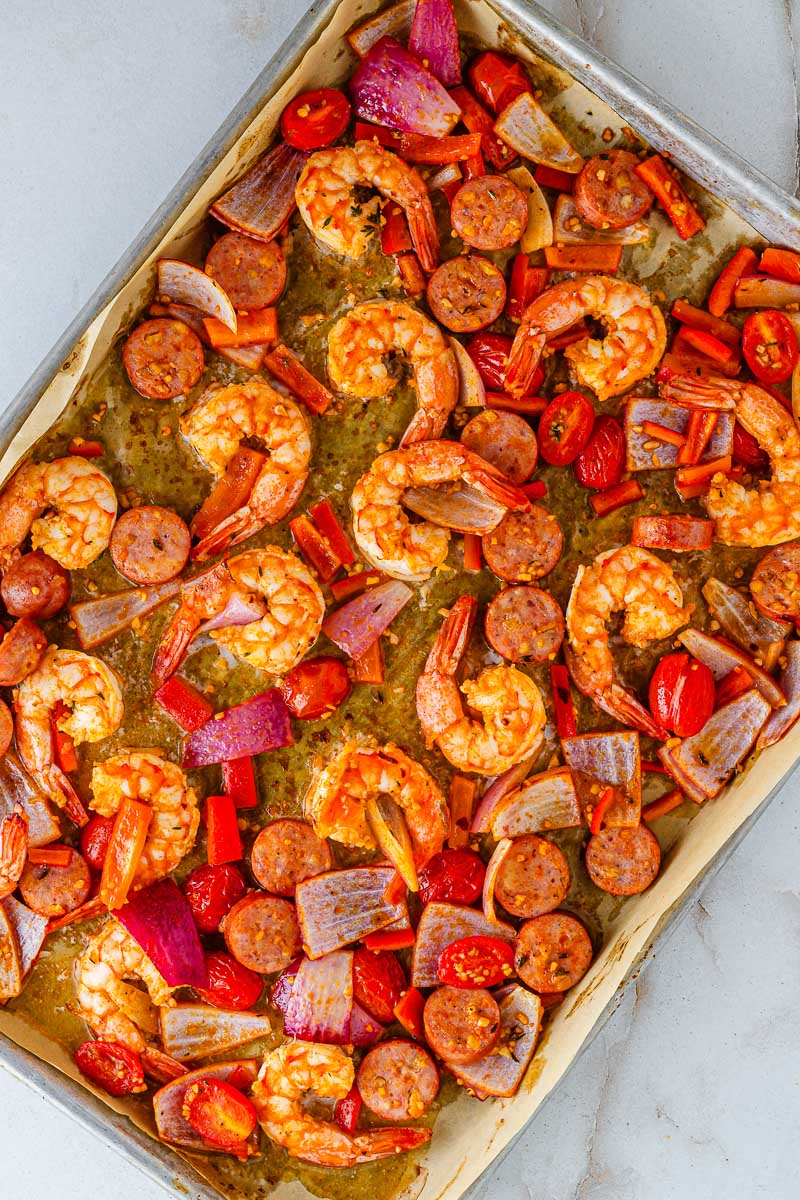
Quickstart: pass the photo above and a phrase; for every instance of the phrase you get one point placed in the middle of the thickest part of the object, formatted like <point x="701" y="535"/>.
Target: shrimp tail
<point x="451" y="641"/>
<point x="234" y="529"/>
<point x="421" y="428"/>
<point x="380" y="1143"/>
<point x="523" y="360"/>
<point x="13" y="850"/>
<point x="493" y="484"/>
<point x="688" y="391"/>
<point x="64" y="794"/>
<point x="424" y="235"/>
<point x="173" y="645"/>
<point x="612" y="699"/>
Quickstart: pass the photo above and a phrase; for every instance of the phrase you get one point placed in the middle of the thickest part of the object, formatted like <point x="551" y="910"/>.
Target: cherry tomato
<point x="769" y="345"/>
<point x="315" y="119"/>
<point x="453" y="876"/>
<point x="94" y="840"/>
<point x="111" y="1066"/>
<point x="378" y="982"/>
<point x="230" y="984"/>
<point x="747" y="451"/>
<point x="316" y="687"/>
<point x="476" y="962"/>
<point x="489" y="352"/>
<point x="681" y="694"/>
<point x="212" y="892"/>
<point x="601" y="462"/>
<point x="219" y="1113"/>
<point x="565" y="428"/>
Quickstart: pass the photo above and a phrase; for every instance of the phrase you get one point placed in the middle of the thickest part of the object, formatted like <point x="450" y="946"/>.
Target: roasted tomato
<point x="453" y="876"/>
<point x="94" y="840"/>
<point x="230" y="984"/>
<point x="681" y="694"/>
<point x="220" y="1113"/>
<point x="769" y="345"/>
<point x="212" y="892"/>
<point x="565" y="427"/>
<point x="600" y="463"/>
<point x="489" y="352"/>
<point x="378" y="982"/>
<point x="476" y="962"/>
<point x="315" y="119"/>
<point x="111" y="1066"/>
<point x="316" y="687"/>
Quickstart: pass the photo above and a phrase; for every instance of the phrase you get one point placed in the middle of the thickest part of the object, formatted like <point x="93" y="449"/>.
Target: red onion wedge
<point x="502" y="1072"/>
<point x="181" y="283"/>
<point x="252" y="727"/>
<point x="722" y="657"/>
<point x="525" y="127"/>
<point x="762" y="291"/>
<point x="10" y="959"/>
<point x="104" y="617"/>
<point x="434" y="40"/>
<point x="320" y="1005"/>
<point x="241" y="609"/>
<point x="17" y="787"/>
<point x="702" y="764"/>
<point x="449" y="173"/>
<point x="390" y="22"/>
<point x="250" y="358"/>
<point x="490" y="879"/>
<point x="171" y="1124"/>
<point x="358" y="624"/>
<point x="601" y="760"/>
<point x="30" y="929"/>
<point x="182" y="312"/>
<point x="570" y="229"/>
<point x="261" y="201"/>
<point x="762" y="637"/>
<point x="192" y="1031"/>
<point x="364" y="1029"/>
<point x="442" y="924"/>
<point x="158" y="917"/>
<point x="781" y="720"/>
<point x="455" y="506"/>
<point x="543" y="802"/>
<point x="497" y="789"/>
<point x="389" y="87"/>
<point x="282" y="991"/>
<point x="471" y="391"/>
<point x="340" y="907"/>
<point x="646" y="453"/>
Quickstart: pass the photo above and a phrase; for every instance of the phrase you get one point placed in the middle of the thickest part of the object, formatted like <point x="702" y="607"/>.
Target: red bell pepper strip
<point x="525" y="285"/>
<point x="671" y="196"/>
<point x="390" y="939"/>
<point x="369" y="667"/>
<point x="395" y="234"/>
<point x="566" y="720"/>
<point x="239" y="782"/>
<point x="473" y="167"/>
<point x="286" y="367"/>
<point x="347" y="1110"/>
<point x="589" y="257"/>
<point x="231" y="491"/>
<point x="535" y="490"/>
<point x="688" y="477"/>
<point x="351" y="585"/>
<point x="185" y="704"/>
<point x="664" y="804"/>
<point x="551" y="177"/>
<point x="698" y="318"/>
<point x="744" y="262"/>
<point x="224" y="843"/>
<point x="478" y="120"/>
<point x="252" y="329"/>
<point x="781" y="264"/>
<point x="364" y="132"/>
<point x="473" y="556"/>
<point x="63" y="745"/>
<point x="653" y="768"/>
<point x="532" y="405"/>
<point x="50" y="856"/>
<point x="84" y="449"/>
<point x="421" y="148"/>
<point x="462" y="802"/>
<point x="124" y="851"/>
<point x="662" y="433"/>
<point x="408" y="1012"/>
<point x="412" y="274"/>
<point x="569" y="336"/>
<point x="600" y="809"/>
<point x="327" y="523"/>
<point x="733" y="684"/>
<point x="698" y="434"/>
<point x="627" y="492"/>
<point x="690" y="360"/>
<point x="316" y="549"/>
<point x="709" y="345"/>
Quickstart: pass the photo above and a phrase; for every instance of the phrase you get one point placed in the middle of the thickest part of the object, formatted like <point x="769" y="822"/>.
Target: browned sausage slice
<point x="775" y="585"/>
<point x="524" y="624"/>
<point x="252" y="273"/>
<point x="6" y="727"/>
<point x="262" y="933"/>
<point x="489" y="212"/>
<point x="608" y="192"/>
<point x="505" y="440"/>
<point x="164" y="358"/>
<point x="524" y="546"/>
<point x="150" y="544"/>
<point x="54" y="891"/>
<point x="467" y="293"/>
<point x="35" y="586"/>
<point x="461" y="1024"/>
<point x="398" y="1080"/>
<point x="623" y="861"/>
<point x="552" y="952"/>
<point x="287" y="852"/>
<point x="533" y="878"/>
<point x="20" y="651"/>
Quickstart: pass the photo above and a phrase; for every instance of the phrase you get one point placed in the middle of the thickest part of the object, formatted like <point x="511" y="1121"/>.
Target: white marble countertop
<point x="693" y="1088"/>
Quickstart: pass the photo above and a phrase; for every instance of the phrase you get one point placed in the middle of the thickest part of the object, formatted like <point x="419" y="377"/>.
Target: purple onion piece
<point x="252" y="727"/>
<point x="607" y="760"/>
<point x="322" y="998"/>
<point x="358" y="624"/>
<point x="391" y="88"/>
<point x="703" y="763"/>
<point x="496" y="791"/>
<point x="542" y="802"/>
<point x="721" y="659"/>
<point x="158" y="917"/>
<point x="340" y="907"/>
<point x="434" y="40"/>
<point x="501" y="1074"/>
<point x="104" y="617"/>
<point x="260" y="202"/>
<point x="781" y="720"/>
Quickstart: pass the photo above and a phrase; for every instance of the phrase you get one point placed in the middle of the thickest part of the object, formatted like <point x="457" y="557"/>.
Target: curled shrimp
<point x="295" y="1069"/>
<point x="216" y="426"/>
<point x="325" y="195"/>
<point x="147" y="776"/>
<point x="385" y="535"/>
<point x="632" y="348"/>
<point x="645" y="589"/>
<point x="13" y="850"/>
<point x="509" y="706"/>
<point x="68" y="506"/>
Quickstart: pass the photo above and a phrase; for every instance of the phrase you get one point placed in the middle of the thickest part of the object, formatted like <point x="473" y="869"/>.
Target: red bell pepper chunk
<point x="671" y="196"/>
<point x="316" y="549"/>
<point x="473" y="556"/>
<point x="568" y="337"/>
<point x="369" y="668"/>
<point x="124" y="851"/>
<point x="184" y="703"/>
<point x="473" y="167"/>
<point x="589" y="257"/>
<point x="462" y="802"/>
<point x="653" y="768"/>
<point x="709" y="345"/>
<point x="395" y="234"/>
<point x="600" y="809"/>
<point x="390" y="939"/>
<point x="744" y="262"/>
<point x="239" y="782"/>
<point x="327" y="523"/>
<point x="551" y="177"/>
<point x="627" y="492"/>
<point x="50" y="856"/>
<point x="535" y="490"/>
<point x="532" y="405"/>
<point x="286" y="367"/>
<point x="412" y="274"/>
<point x="85" y="449"/>
<point x="698" y="318"/>
<point x="664" y="804"/>
<point x="689" y="360"/>
<point x="347" y="1110"/>
<point x="421" y="148"/>
<point x="733" y="684"/>
<point x="525" y="285"/>
<point x="498" y="79"/>
<point x="230" y="492"/>
<point x="224" y="843"/>
<point x="698" y="434"/>
<point x="408" y="1012"/>
<point x="364" y="132"/>
<point x="478" y="120"/>
<point x="351" y="585"/>
<point x="781" y="264"/>
<point x="63" y="745"/>
<point x="566" y="721"/>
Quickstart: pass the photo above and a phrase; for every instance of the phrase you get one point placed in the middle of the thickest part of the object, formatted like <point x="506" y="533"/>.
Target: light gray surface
<point x="693" y="1086"/>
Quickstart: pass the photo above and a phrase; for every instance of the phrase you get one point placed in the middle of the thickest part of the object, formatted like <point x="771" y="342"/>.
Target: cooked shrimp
<point x="645" y="589"/>
<point x="216" y="426"/>
<point x="79" y="503"/>
<point x="13" y="850"/>
<point x="631" y="349"/>
<point x="296" y="1069"/>
<point x="360" y="342"/>
<point x="382" y="529"/>
<point x="104" y="1001"/>
<point x="769" y="513"/>
<point x="84" y="697"/>
<point x="508" y="705"/>
<point x="325" y="195"/>
<point x="147" y="776"/>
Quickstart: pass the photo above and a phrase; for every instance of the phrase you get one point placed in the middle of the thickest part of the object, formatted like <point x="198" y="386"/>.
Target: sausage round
<point x="35" y="586"/>
<point x="623" y="861"/>
<point x="150" y="544"/>
<point x="533" y="878"/>
<point x="608" y="193"/>
<point x="20" y="651"/>
<point x="262" y="933"/>
<point x="467" y="293"/>
<point x="54" y="891"/>
<point x="775" y="585"/>
<point x="6" y="727"/>
<point x="524" y="546"/>
<point x="398" y="1080"/>
<point x="524" y="624"/>
<point x="505" y="440"/>
<point x="164" y="358"/>
<point x="461" y="1024"/>
<point x="489" y="212"/>
<point x="253" y="274"/>
<point x="552" y="952"/>
<point x="287" y="852"/>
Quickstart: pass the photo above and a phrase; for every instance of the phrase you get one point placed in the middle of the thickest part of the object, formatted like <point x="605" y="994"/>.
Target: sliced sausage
<point x="398" y="1080"/>
<point x="262" y="933"/>
<point x="623" y="861"/>
<point x="552" y="952"/>
<point x="35" y="586"/>
<point x="20" y="651"/>
<point x="524" y="546"/>
<point x="775" y="585"/>
<point x="505" y="440"/>
<point x="54" y="891"/>
<point x="164" y="358"/>
<point x="150" y="544"/>
<point x="467" y="293"/>
<point x="489" y="212"/>
<point x="608" y="193"/>
<point x="533" y="878"/>
<point x="461" y="1024"/>
<point x="524" y="624"/>
<point x="6" y="727"/>
<point x="287" y="852"/>
<point x="252" y="273"/>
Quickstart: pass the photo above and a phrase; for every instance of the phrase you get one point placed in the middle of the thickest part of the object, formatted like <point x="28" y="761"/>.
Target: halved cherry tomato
<point x="111" y="1066"/>
<point x="479" y="961"/>
<point x="769" y="345"/>
<point x="315" y="119"/>
<point x="452" y="876"/>
<point x="565" y="428"/>
<point x="220" y="1113"/>
<point x="489" y="352"/>
<point x="747" y="451"/>
<point x="378" y="982"/>
<point x="681" y="694"/>
<point x="230" y="984"/>
<point x="94" y="840"/>
<point x="212" y="892"/>
<point x="316" y="687"/>
<point x="600" y="463"/>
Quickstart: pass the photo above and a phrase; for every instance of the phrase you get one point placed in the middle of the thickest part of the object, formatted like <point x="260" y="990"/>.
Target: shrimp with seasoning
<point x="509" y="706"/>
<point x="644" y="587"/>
<point x="360" y="342"/>
<point x="296" y="1069"/>
<point x="632" y="348"/>
<point x="68" y="506"/>
<point x="13" y="850"/>
<point x="326" y="199"/>
<point x="216" y="426"/>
